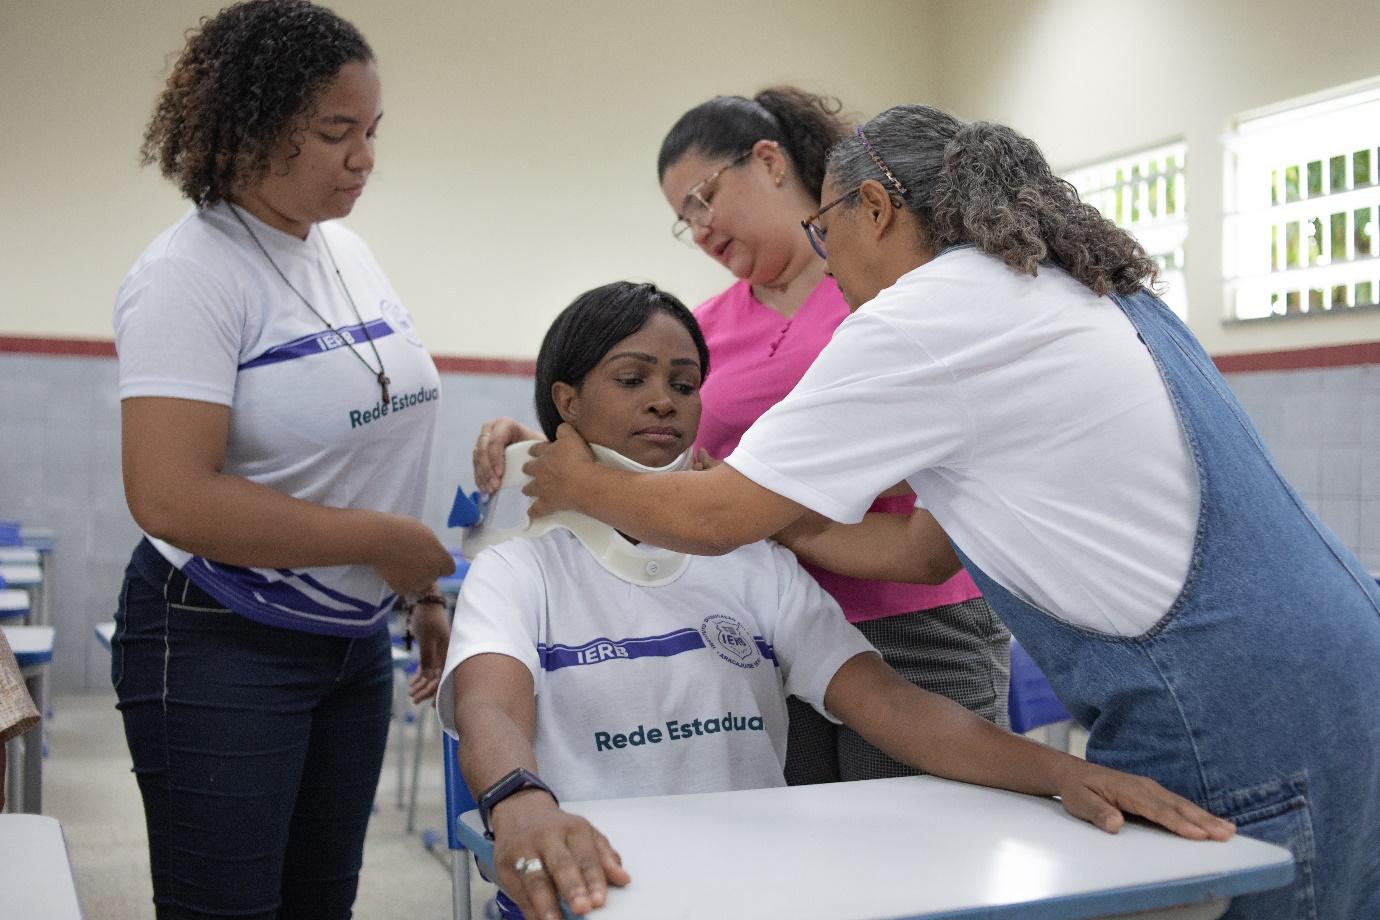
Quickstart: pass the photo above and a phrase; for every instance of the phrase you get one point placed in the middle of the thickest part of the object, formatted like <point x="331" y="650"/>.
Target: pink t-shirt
<point x="756" y="356"/>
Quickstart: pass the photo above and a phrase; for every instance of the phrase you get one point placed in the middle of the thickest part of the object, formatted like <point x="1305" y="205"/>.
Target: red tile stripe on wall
<point x="104" y="348"/>
<point x="1297" y="359"/>
<point x="1301" y="358"/>
<point x="90" y="348"/>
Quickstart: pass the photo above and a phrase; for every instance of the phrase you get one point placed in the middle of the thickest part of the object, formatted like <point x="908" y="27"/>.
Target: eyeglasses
<point x="817" y="234"/>
<point x="695" y="210"/>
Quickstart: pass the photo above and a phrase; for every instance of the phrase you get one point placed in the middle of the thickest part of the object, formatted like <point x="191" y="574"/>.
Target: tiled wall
<point x="60" y="468"/>
<point x="1323" y="427"/>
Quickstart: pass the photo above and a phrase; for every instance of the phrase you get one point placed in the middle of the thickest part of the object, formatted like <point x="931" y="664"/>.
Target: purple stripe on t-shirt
<point x="323" y="341"/>
<point x="555" y="657"/>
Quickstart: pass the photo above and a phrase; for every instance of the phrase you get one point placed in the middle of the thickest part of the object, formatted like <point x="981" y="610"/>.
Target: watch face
<point x="512" y="782"/>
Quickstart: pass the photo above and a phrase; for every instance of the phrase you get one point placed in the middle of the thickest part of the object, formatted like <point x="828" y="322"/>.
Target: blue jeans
<point x="257" y="750"/>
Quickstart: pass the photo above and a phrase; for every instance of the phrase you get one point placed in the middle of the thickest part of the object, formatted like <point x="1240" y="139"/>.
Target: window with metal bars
<point x="1145" y="193"/>
<point x="1303" y="201"/>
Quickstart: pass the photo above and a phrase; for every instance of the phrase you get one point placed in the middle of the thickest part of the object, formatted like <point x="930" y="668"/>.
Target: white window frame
<point x="1133" y="191"/>
<point x="1260" y="223"/>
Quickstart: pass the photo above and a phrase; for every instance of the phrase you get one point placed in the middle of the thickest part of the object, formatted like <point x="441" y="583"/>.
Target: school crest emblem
<point x="402" y="323"/>
<point x="731" y="640"/>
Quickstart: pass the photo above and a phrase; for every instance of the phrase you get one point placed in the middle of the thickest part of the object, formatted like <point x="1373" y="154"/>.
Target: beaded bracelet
<point x="424" y="599"/>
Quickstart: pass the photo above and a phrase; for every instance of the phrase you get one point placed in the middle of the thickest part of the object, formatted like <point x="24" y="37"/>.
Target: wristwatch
<point x="514" y="781"/>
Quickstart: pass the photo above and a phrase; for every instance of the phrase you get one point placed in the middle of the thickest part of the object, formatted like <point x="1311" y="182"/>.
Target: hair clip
<point x="878" y="160"/>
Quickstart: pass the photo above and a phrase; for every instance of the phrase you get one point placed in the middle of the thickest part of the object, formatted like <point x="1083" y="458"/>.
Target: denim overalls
<point x="1257" y="695"/>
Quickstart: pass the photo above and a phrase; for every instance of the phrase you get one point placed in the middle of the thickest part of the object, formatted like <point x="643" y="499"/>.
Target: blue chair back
<point x="450" y="584"/>
<point x="458" y="798"/>
<point x="458" y="801"/>
<point x="1031" y="701"/>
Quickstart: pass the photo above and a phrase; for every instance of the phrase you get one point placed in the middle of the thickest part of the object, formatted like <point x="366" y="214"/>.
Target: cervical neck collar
<point x="503" y="516"/>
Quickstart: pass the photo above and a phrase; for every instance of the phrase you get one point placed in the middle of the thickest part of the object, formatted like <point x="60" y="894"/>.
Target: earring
<point x="779" y="177"/>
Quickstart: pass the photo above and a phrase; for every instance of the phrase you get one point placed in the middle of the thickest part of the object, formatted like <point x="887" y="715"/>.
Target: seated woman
<point x="567" y="676"/>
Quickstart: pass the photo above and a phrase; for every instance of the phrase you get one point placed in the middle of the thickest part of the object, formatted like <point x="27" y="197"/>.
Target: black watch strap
<point x="512" y="782"/>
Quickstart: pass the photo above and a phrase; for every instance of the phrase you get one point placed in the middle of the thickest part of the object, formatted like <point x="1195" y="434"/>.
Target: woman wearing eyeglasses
<point x="740" y="174"/>
<point x="1095" y="474"/>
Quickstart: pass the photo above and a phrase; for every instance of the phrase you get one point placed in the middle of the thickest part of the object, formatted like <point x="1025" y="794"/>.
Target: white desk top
<point x="10" y="555"/>
<point x="13" y="599"/>
<point x="30" y="642"/>
<point x="35" y="874"/>
<point x="913" y="847"/>
<point x="21" y="574"/>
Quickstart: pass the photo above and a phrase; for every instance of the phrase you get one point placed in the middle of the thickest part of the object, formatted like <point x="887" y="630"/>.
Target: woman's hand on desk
<point x="495" y="715"/>
<point x="578" y="862"/>
<point x="1100" y="796"/>
<point x="939" y="736"/>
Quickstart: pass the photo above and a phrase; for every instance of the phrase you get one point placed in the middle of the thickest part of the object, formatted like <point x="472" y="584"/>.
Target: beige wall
<point x="516" y="159"/>
<point x="516" y="163"/>
<point x="1093" y="78"/>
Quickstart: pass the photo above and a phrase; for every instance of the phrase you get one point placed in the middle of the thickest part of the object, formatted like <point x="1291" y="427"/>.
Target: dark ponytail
<point x="805" y="124"/>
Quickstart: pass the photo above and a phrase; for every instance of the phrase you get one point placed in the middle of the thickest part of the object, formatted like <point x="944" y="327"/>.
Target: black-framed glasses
<point x="817" y="234"/>
<point x="695" y="210"/>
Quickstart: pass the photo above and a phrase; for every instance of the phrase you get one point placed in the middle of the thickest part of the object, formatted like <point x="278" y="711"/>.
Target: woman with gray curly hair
<point x="277" y="410"/>
<point x="1072" y="445"/>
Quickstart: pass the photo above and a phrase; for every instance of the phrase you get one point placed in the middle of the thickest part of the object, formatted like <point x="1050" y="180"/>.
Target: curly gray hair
<point x="985" y="184"/>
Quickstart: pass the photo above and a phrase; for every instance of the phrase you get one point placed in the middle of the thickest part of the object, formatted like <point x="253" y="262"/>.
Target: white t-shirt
<point x="653" y="691"/>
<point x="1027" y="416"/>
<point x="202" y="315"/>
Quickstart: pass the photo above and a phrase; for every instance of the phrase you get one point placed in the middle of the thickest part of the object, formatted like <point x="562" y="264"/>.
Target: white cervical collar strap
<point x="505" y="518"/>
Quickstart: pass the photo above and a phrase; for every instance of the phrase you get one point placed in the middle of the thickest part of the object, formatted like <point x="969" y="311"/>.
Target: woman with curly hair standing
<point x="277" y="410"/>
<point x="1094" y="473"/>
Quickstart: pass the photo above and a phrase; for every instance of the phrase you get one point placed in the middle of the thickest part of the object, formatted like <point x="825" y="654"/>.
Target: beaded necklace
<point x="379" y="374"/>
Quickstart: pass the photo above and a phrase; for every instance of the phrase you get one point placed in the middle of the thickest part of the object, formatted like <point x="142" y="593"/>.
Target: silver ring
<point x="526" y="864"/>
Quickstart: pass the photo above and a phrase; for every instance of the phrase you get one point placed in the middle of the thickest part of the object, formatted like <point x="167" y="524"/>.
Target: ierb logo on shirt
<point x="731" y="640"/>
<point x="397" y="318"/>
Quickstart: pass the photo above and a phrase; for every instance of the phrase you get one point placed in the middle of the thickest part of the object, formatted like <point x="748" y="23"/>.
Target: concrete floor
<point x="88" y="787"/>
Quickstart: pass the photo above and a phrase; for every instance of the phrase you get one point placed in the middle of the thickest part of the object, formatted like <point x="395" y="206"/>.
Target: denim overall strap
<point x="1257" y="694"/>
